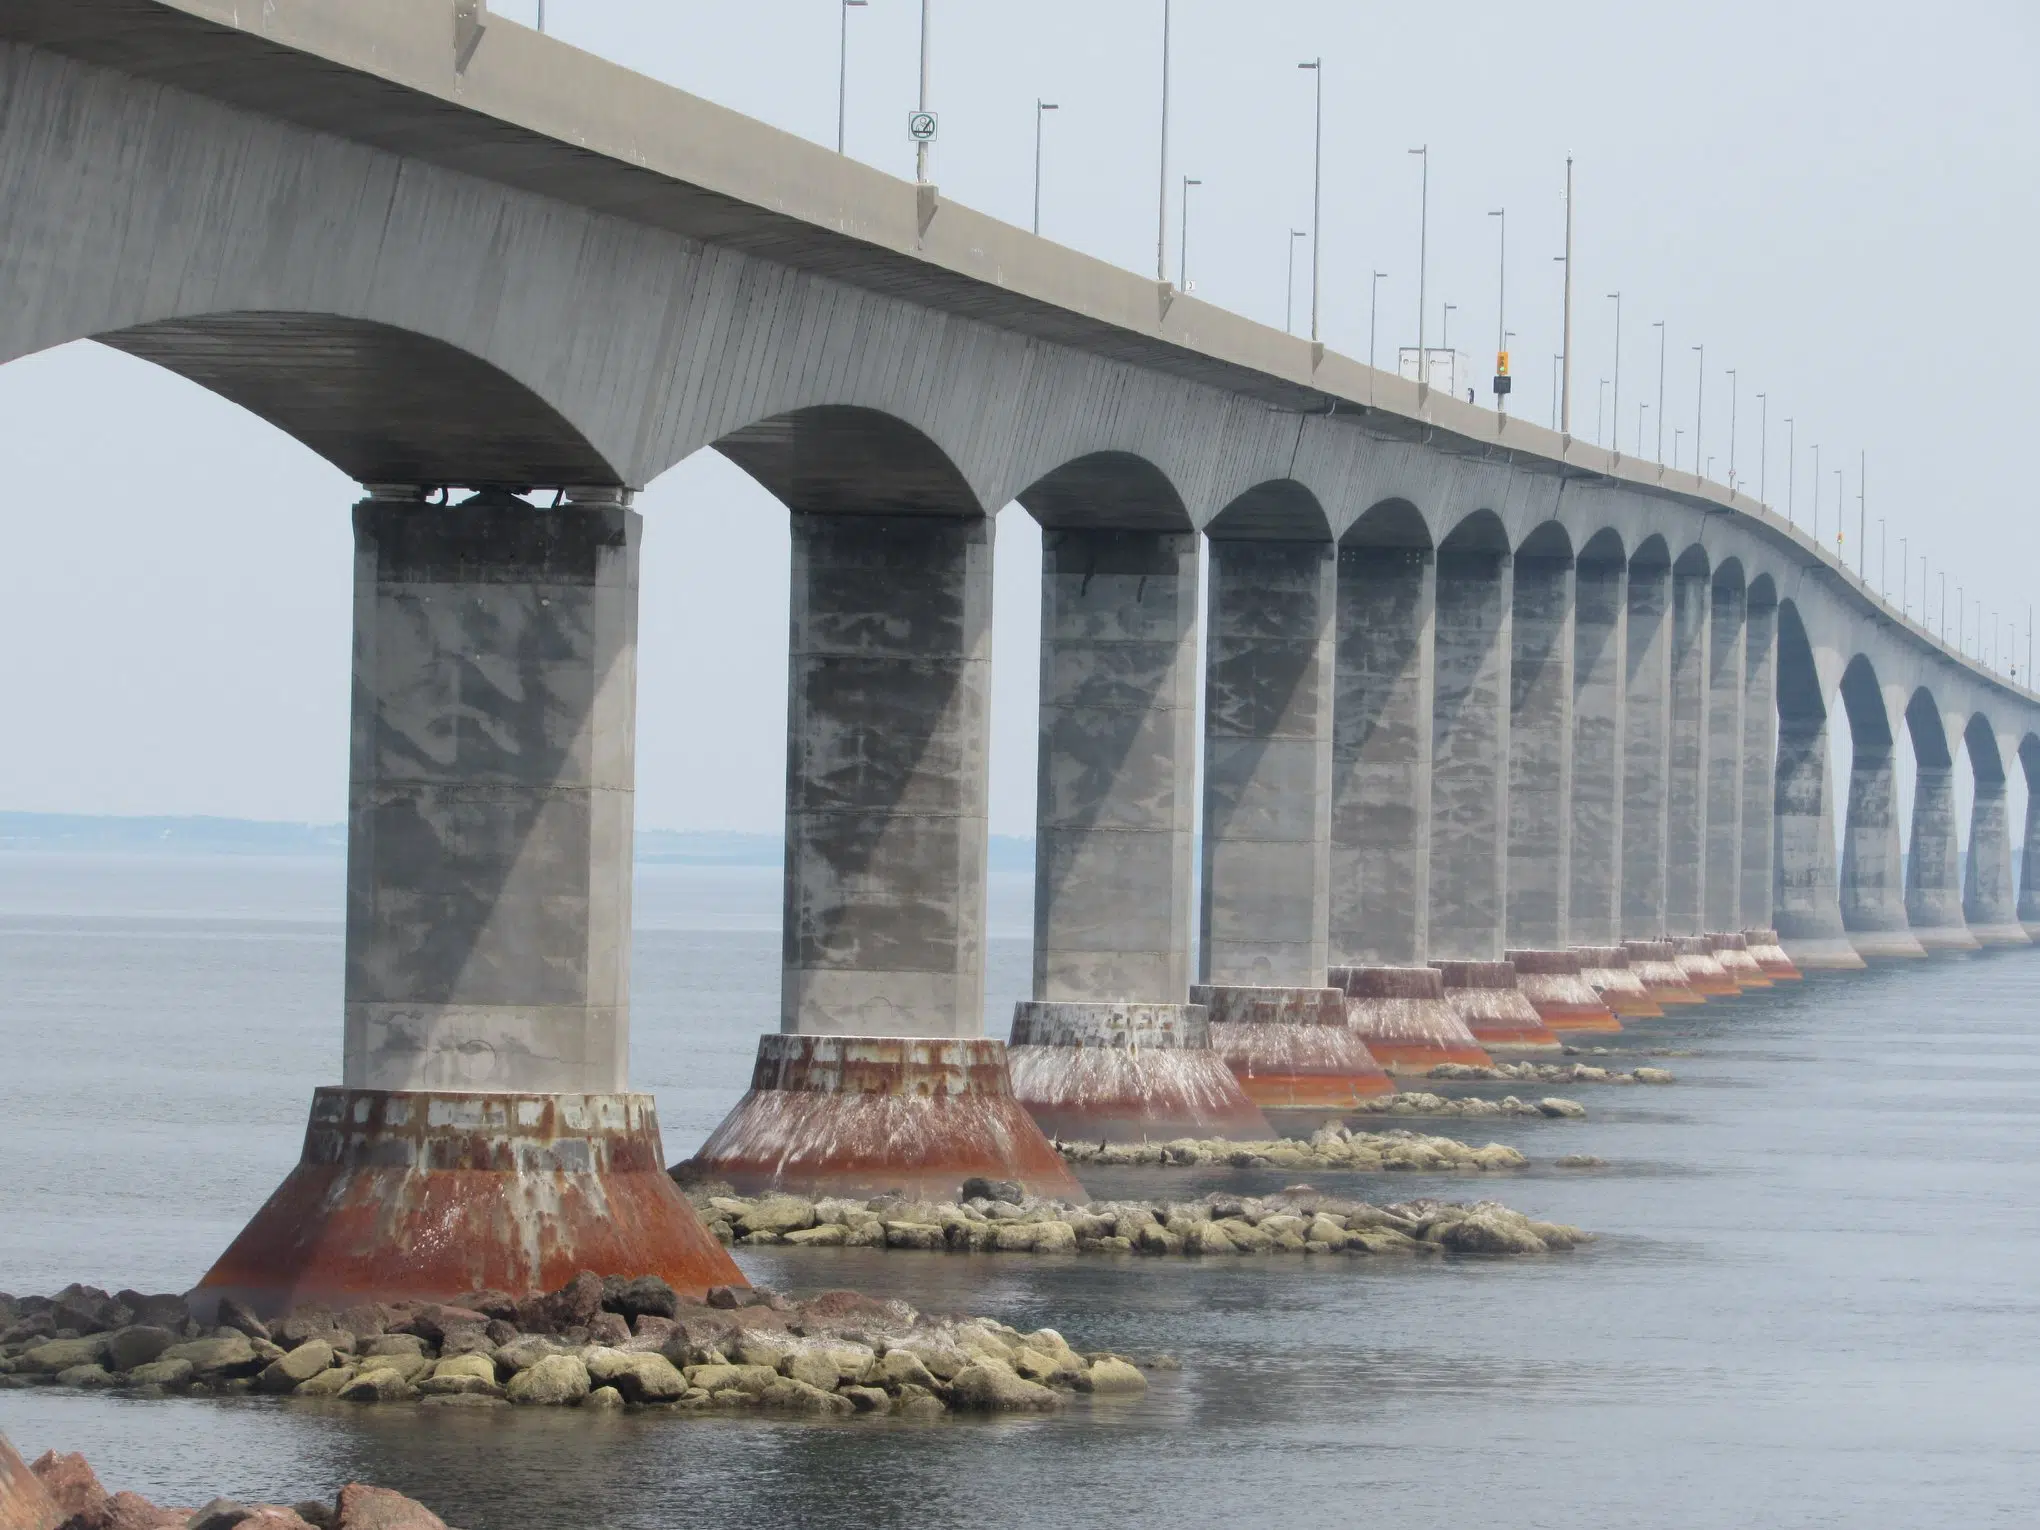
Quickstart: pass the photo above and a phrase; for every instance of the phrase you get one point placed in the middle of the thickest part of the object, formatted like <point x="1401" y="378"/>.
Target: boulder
<point x="603" y="1397"/>
<point x="990" y="1386"/>
<point x="978" y="1188"/>
<point x="644" y="1295"/>
<point x="328" y="1383"/>
<point x="556" y="1381"/>
<point x="751" y="1379"/>
<point x="220" y="1514"/>
<point x="57" y="1355"/>
<point x="269" y="1516"/>
<point x="520" y="1354"/>
<point x="378" y="1384"/>
<point x="435" y="1321"/>
<point x="778" y="1214"/>
<point x="793" y="1396"/>
<point x="609" y="1330"/>
<point x="361" y="1507"/>
<point x="87" y="1376"/>
<point x="296" y="1368"/>
<point x="236" y="1314"/>
<point x="638" y="1376"/>
<point x="457" y="1386"/>
<point x="211" y="1359"/>
<point x="131" y="1511"/>
<point x="70" y="1483"/>
<point x="903" y="1368"/>
<point x="169" y="1374"/>
<point x="1570" y="1110"/>
<point x="867" y="1399"/>
<point x="137" y="1344"/>
<point x="479" y="1367"/>
<point x="831" y="1235"/>
<point x="1113" y="1376"/>
<point x="1489" y="1230"/>
<point x="1206" y="1238"/>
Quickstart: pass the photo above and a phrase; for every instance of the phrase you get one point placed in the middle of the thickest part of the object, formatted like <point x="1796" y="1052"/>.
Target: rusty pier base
<point x="1291" y="1048"/>
<point x="1128" y="1072"/>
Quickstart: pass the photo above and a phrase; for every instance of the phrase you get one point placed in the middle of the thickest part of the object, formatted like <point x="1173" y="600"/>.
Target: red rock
<point x="269" y="1516"/>
<point x="131" y="1511"/>
<point x="372" y="1508"/>
<point x="70" y="1482"/>
<point x="25" y="1504"/>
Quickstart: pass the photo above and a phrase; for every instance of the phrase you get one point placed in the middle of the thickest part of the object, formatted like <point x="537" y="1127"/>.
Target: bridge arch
<point x="1478" y="532"/>
<point x="833" y="459"/>
<point x="1275" y="510"/>
<point x="1110" y="490"/>
<point x="1391" y="523"/>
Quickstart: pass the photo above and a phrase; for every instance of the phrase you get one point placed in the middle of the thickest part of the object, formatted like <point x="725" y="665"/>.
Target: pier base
<point x="1703" y="968"/>
<point x="405" y="1195"/>
<point x="1556" y="986"/>
<point x="1486" y="997"/>
<point x="1656" y="965"/>
<point x="863" y="1115"/>
<point x="1291" y="1048"/>
<point x="1090" y="1072"/>
<point x="1823" y="953"/>
<point x="1607" y="971"/>
<point x="1405" y="1018"/>
<point x="1733" y="952"/>
<point x="1768" y="952"/>
<point x="1946" y="937"/>
<point x="1887" y="945"/>
<point x="2005" y="934"/>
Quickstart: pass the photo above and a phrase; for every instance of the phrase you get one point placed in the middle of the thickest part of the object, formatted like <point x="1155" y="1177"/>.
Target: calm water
<point x="1814" y="1303"/>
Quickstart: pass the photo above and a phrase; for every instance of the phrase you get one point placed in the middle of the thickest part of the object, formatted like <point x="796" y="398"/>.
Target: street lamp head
<point x="1040" y="106"/>
<point x="1311" y="65"/>
<point x="1191" y="180"/>
<point x="1426" y="149"/>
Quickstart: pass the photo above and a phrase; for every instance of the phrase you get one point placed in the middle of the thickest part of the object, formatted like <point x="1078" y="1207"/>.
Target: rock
<point x="328" y="1383"/>
<point x="903" y="1368"/>
<point x="1582" y="1161"/>
<point x="555" y="1381"/>
<point x="832" y="1235"/>
<point x="457" y="1386"/>
<point x="234" y="1313"/>
<point x="131" y="1511"/>
<point x="1490" y="1230"/>
<point x="867" y="1399"/>
<point x="408" y="1346"/>
<point x="609" y="1330"/>
<point x="638" y="1377"/>
<point x="574" y="1305"/>
<point x="1206" y="1238"/>
<point x="362" y="1507"/>
<point x="799" y="1397"/>
<point x="521" y="1354"/>
<point x="475" y="1367"/>
<point x="1055" y="1238"/>
<point x="135" y="1345"/>
<point x="70" y="1483"/>
<point x="168" y="1374"/>
<point x="86" y="1376"/>
<point x="58" y="1355"/>
<point x="639" y="1297"/>
<point x="1112" y="1376"/>
<point x="778" y="1214"/>
<point x="990" y="1386"/>
<point x="603" y="1397"/>
<point x="297" y="1367"/>
<point x="812" y="1368"/>
<point x="378" y="1384"/>
<point x="220" y="1514"/>
<point x="921" y="1235"/>
<point x="322" y="1515"/>
<point x="270" y="1517"/>
<point x="435" y="1322"/>
<point x="214" y="1358"/>
<point x="978" y="1188"/>
<point x="1570" y="1110"/>
<point x="749" y="1379"/>
<point x="1653" y="1076"/>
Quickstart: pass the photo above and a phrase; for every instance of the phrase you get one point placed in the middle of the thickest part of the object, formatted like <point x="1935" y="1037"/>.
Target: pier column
<point x="1873" y="878"/>
<point x="1647" y="685"/>
<point x="1381" y="758"/>
<point x="1686" y="780"/>
<point x="1269" y="668"/>
<point x="1759" y="753"/>
<point x="1933" y="866"/>
<point x="2029" y="879"/>
<point x="1988" y="902"/>
<point x="1807" y="902"/>
<point x="1600" y="644"/>
<point x="1470" y="754"/>
<point x="1110" y="1048"/>
<point x="488" y="929"/>
<point x="1540" y="745"/>
<point x="1727" y="670"/>
<point x="881" y="1076"/>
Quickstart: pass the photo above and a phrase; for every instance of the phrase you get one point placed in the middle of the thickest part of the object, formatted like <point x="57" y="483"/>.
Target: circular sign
<point x="921" y="126"/>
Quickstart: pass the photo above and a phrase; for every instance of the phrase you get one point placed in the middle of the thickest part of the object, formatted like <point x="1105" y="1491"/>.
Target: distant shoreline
<point x="96" y="834"/>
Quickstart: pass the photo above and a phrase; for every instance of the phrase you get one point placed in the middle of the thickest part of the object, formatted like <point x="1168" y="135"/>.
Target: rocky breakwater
<point x="1551" y="1073"/>
<point x="593" y="1344"/>
<point x="1297" y="1221"/>
<point x="1418" y="1102"/>
<point x="62" y="1492"/>
<point x="1331" y="1147"/>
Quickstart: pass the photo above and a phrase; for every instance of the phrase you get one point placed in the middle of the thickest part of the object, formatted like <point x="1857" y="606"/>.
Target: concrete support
<point x="1291" y="1049"/>
<point x="1686" y="756"/>
<point x="1539" y="804"/>
<point x="1727" y="685"/>
<point x="1873" y="878"/>
<point x="483" y="1137"/>
<point x="1759" y="762"/>
<point x="1933" y="868"/>
<point x="1600" y="663"/>
<point x="1109" y="1049"/>
<point x="1269" y="669"/>
<point x="1405" y="1018"/>
<point x="1469" y="756"/>
<point x="2029" y="880"/>
<point x="1381" y="757"/>
<point x="1988" y="901"/>
<point x="1647" y="685"/>
<point x="1808" y="903"/>
<point x="881" y="1076"/>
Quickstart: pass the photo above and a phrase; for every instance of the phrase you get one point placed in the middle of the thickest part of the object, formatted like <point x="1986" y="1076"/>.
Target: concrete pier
<point x="883" y="943"/>
<point x="1540" y="800"/>
<point x="1732" y="950"/>
<point x="1606" y="970"/>
<point x="1556" y="985"/>
<point x="1988" y="901"/>
<point x="1656" y="965"/>
<point x="2029" y="883"/>
<point x="488" y="930"/>
<point x="1109" y="1049"/>
<point x="1808" y="908"/>
<point x="1470" y="749"/>
<point x="1404" y="1017"/>
<point x="1291" y="1049"/>
<point x="1686" y="784"/>
<point x="1600" y="664"/>
<point x="1647" y="684"/>
<point x="1759" y="757"/>
<point x="1872" y="887"/>
<point x="1502" y="1019"/>
<point x="1727" y="696"/>
<point x="1933" y="868"/>
<point x="1703" y="969"/>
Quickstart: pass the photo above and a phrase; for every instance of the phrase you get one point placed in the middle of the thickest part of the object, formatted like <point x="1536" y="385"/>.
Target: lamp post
<point x="1642" y="409"/>
<point x="1289" y="302"/>
<point x="1731" y="432"/>
<point x="1373" y="293"/>
<point x="1816" y="496"/>
<point x="1162" y="187"/>
<point x="1659" y="326"/>
<point x="1183" y="248"/>
<point x="1501" y="215"/>
<point x="1600" y="404"/>
<point x="1904" y="580"/>
<point x="1763" y="451"/>
<point x="1556" y="362"/>
<point x="1839" y="539"/>
<point x="1423" y="262"/>
<point x="1862" y="513"/>
<point x="1445" y="327"/>
<point x="842" y="66"/>
<point x="541" y="27"/>
<point x="921" y="145"/>
<point x="1615" y="416"/>
<point x="1678" y="433"/>
<point x="1040" y="108"/>
<point x="1792" y="468"/>
<point x="1317" y="182"/>
<point x="1699" y="407"/>
<point x="1565" y="345"/>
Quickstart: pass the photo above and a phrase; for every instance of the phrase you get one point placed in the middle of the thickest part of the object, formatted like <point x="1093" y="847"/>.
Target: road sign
<point x="921" y="126"/>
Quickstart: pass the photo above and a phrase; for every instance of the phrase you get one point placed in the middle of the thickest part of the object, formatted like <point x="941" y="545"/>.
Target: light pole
<point x="921" y="145"/>
<point x="1883" y="562"/>
<point x="842" y="68"/>
<point x="1445" y="330"/>
<point x="1792" y="470"/>
<point x="1040" y="108"/>
<point x="541" y="27"/>
<point x="1317" y="181"/>
<point x="1816" y="496"/>
<point x="1862" y="513"/>
<point x="1289" y="303"/>
<point x="1373" y="292"/>
<point x="1600" y="403"/>
<point x="1763" y="451"/>
<point x="1615" y="416"/>
<point x="1699" y="407"/>
<point x="1565" y="345"/>
<point x="1904" y="580"/>
<point x="1162" y="186"/>
<point x="1183" y="248"/>
<point x="1642" y="409"/>
<point x="1678" y="433"/>
<point x="1659" y="326"/>
<point x="1423" y="263"/>
<point x="1556" y="362"/>
<point x="1961" y="621"/>
<point x="1731" y="432"/>
<point x="1501" y="215"/>
<point x="1840" y="540"/>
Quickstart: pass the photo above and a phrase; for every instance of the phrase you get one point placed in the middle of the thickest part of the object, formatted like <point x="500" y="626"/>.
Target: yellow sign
<point x="1501" y="363"/>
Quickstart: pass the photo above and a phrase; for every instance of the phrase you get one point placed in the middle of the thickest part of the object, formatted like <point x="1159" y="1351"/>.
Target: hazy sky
<point x="1838" y="200"/>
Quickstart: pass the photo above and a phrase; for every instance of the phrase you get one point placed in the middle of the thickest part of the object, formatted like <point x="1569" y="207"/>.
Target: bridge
<point x="1502" y="735"/>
